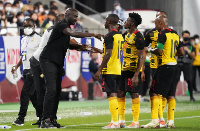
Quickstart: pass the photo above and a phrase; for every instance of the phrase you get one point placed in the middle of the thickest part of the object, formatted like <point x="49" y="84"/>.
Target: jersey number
<point x="173" y="48"/>
<point x="120" y="45"/>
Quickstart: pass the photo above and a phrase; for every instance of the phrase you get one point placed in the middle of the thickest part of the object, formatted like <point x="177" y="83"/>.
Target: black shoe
<point x="19" y="122"/>
<point x="192" y="100"/>
<point x="57" y="124"/>
<point x="37" y="123"/>
<point x="47" y="124"/>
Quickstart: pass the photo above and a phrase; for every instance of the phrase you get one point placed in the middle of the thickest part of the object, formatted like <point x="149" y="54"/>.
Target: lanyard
<point x="27" y="41"/>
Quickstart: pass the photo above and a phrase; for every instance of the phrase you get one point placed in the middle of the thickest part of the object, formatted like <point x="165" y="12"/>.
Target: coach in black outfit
<point x="52" y="61"/>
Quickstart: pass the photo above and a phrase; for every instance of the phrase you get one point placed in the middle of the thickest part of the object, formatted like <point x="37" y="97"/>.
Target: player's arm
<point x="82" y="47"/>
<point x="180" y="51"/>
<point x="140" y="50"/>
<point x="19" y="63"/>
<point x="108" y="52"/>
<point x="103" y="64"/>
<point x="143" y="66"/>
<point x="73" y="33"/>
<point x="161" y="41"/>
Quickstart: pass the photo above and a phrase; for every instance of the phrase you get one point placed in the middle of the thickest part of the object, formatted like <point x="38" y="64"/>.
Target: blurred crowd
<point x="13" y="13"/>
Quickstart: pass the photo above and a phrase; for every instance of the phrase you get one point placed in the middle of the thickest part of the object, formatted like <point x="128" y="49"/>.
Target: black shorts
<point x="110" y="83"/>
<point x="126" y="81"/>
<point x="164" y="81"/>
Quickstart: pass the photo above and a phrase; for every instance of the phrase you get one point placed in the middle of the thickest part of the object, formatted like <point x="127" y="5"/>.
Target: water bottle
<point x="80" y="96"/>
<point x="70" y="96"/>
<point x="15" y="75"/>
<point x="5" y="127"/>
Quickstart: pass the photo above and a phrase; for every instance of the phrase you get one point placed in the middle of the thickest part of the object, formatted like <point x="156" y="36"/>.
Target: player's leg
<point x="57" y="97"/>
<point x="158" y="87"/>
<point x="49" y="70"/>
<point x="135" y="99"/>
<point x="121" y="97"/>
<point x="24" y="98"/>
<point x="39" y="86"/>
<point x="109" y="86"/>
<point x="171" y="103"/>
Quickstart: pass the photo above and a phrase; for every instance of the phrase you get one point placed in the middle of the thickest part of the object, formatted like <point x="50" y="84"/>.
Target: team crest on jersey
<point x="151" y="34"/>
<point x="33" y="39"/>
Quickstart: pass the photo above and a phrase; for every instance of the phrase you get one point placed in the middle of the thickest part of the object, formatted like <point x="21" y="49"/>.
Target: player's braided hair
<point x="136" y="18"/>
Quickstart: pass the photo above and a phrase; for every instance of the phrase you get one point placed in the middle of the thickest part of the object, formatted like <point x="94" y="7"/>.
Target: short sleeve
<point x="147" y="39"/>
<point x="139" y="42"/>
<point x="124" y="34"/>
<point x="109" y="41"/>
<point x="180" y="44"/>
<point x="62" y="26"/>
<point x="161" y="40"/>
<point x="161" y="37"/>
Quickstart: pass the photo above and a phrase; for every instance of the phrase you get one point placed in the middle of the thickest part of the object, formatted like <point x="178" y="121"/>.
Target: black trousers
<point x="53" y="78"/>
<point x="143" y="90"/>
<point x="28" y="93"/>
<point x="187" y="72"/>
<point x="195" y="68"/>
<point x="39" y="82"/>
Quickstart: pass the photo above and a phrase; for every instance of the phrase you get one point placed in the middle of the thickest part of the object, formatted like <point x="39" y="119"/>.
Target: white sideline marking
<point x="103" y="123"/>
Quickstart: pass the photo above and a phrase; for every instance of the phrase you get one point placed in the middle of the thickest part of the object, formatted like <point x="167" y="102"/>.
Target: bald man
<point x="52" y="62"/>
<point x="163" y="81"/>
<point x="151" y="38"/>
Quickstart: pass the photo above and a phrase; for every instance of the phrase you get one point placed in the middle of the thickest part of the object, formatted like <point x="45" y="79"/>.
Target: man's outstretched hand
<point x="98" y="36"/>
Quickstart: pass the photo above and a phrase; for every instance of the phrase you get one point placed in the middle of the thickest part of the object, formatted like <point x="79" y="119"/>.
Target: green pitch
<point x="187" y="115"/>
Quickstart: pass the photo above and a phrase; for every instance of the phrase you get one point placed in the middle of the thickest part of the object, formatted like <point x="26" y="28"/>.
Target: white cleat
<point x="122" y="125"/>
<point x="134" y="125"/>
<point x="151" y="124"/>
<point x="108" y="126"/>
<point x="170" y="124"/>
<point x="113" y="126"/>
<point x="162" y="124"/>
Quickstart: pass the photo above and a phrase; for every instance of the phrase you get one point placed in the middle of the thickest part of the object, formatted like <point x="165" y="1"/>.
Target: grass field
<point x="187" y="115"/>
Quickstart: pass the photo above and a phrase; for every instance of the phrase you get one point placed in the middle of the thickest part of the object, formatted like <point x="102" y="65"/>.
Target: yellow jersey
<point x="133" y="42"/>
<point x="196" y="61"/>
<point x="113" y="40"/>
<point x="152" y="37"/>
<point x="168" y="41"/>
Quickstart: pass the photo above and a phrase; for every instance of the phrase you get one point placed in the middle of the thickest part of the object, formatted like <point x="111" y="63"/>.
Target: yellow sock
<point x="135" y="109"/>
<point x="121" y="107"/>
<point x="171" y="103"/>
<point x="113" y="106"/>
<point x="160" y="112"/>
<point x="154" y="107"/>
<point x="164" y="101"/>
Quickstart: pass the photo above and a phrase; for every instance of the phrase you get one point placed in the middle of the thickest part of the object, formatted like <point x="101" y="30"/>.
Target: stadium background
<point x="182" y="15"/>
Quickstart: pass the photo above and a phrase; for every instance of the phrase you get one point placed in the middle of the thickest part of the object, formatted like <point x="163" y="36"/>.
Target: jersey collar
<point x="136" y="31"/>
<point x="114" y="30"/>
<point x="168" y="29"/>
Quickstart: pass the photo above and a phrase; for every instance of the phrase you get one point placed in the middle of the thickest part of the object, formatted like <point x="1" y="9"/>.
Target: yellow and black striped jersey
<point x="152" y="37"/>
<point x="113" y="40"/>
<point x="133" y="42"/>
<point x="168" y="41"/>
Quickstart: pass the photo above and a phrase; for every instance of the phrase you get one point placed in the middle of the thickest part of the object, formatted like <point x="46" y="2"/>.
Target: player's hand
<point x="135" y="81"/>
<point x="98" y="36"/>
<point x="97" y="75"/>
<point x="14" y="68"/>
<point x="142" y="76"/>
